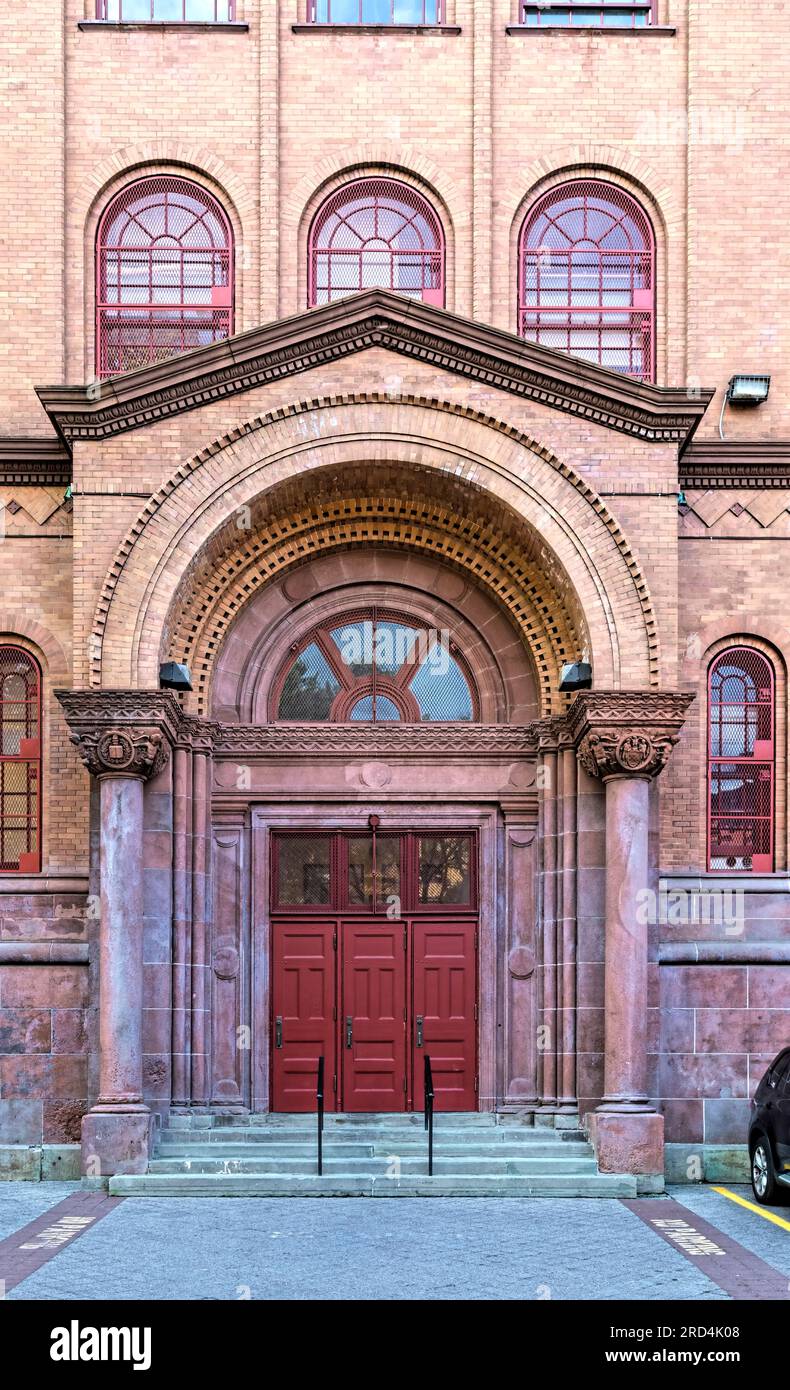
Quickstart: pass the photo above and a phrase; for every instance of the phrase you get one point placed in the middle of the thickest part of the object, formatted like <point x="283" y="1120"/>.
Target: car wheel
<point x="764" y="1183"/>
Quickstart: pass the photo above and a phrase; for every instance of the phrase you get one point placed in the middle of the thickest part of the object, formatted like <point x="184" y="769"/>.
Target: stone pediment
<point x="375" y="319"/>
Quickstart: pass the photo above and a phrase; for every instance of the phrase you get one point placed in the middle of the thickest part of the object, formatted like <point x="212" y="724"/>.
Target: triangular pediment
<point x="374" y="319"/>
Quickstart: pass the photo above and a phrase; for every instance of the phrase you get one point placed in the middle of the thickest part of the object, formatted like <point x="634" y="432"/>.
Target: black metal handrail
<point x="319" y="1105"/>
<point x="429" y="1111"/>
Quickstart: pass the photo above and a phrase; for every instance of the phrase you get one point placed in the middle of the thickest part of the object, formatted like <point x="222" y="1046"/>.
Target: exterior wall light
<point x="174" y="675"/>
<point x="748" y="390"/>
<point x="577" y="675"/>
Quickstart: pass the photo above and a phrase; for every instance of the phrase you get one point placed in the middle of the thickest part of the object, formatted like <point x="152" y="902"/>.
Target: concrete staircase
<point x="475" y="1155"/>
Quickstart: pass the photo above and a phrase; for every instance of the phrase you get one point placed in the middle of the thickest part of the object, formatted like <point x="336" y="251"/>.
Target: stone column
<point x="124" y="737"/>
<point x="625" y="739"/>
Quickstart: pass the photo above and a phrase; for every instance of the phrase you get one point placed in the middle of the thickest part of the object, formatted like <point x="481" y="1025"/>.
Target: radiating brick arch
<point x="363" y="512"/>
<point x="574" y="546"/>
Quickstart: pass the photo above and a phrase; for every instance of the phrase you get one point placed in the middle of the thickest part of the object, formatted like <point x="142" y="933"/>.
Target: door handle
<point x="278" y="1031"/>
<point x="419" y="1030"/>
<point x="349" y="1031"/>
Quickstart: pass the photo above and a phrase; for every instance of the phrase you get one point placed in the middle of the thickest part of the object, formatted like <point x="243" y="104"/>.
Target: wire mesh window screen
<point x="741" y="761"/>
<point x="606" y="14"/>
<point x="376" y="11"/>
<point x="304" y="865"/>
<point x="376" y="233"/>
<point x="375" y="668"/>
<point x="587" y="277"/>
<point x="20" y="761"/>
<point x="444" y="869"/>
<point x="165" y="11"/>
<point x="367" y="886"/>
<point x="164" y="274"/>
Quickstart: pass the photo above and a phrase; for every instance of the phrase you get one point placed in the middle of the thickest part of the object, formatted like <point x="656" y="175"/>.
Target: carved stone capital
<point x="626" y="733"/>
<point x="124" y="752"/>
<point x="126" y="733"/>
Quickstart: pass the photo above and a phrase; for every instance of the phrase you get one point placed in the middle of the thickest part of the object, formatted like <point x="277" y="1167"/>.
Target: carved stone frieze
<point x="362" y="740"/>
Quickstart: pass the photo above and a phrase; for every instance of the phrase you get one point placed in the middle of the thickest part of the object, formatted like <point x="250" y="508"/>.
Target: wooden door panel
<point x="445" y="990"/>
<point x="374" y="999"/>
<point x="303" y="993"/>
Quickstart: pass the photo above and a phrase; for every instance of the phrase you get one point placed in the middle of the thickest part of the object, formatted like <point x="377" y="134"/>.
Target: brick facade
<point x="565" y="516"/>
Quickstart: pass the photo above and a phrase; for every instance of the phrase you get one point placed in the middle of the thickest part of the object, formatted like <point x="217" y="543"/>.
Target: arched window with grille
<point x="741" y="762"/>
<point x="587" y="277"/>
<point x="374" y="666"/>
<point x="20" y="761"/>
<point x="376" y="233"/>
<point x="164" y="274"/>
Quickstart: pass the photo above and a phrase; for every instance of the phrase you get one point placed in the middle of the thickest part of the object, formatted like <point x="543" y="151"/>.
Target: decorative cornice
<point x="113" y="730"/>
<point x="126" y="733"/>
<point x="374" y="318"/>
<point x="626" y="733"/>
<point x="365" y="740"/>
<point x="34" y="462"/>
<point x="736" y="463"/>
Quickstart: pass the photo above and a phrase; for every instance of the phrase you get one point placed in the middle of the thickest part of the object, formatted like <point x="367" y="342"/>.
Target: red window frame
<point x="138" y="322"/>
<point x="429" y="12"/>
<point x="736" y="828"/>
<point x="128" y="12"/>
<point x="392" y="687"/>
<point x="28" y="861"/>
<point x="547" y="311"/>
<point x="366" y="196"/>
<point x="595" y="15"/>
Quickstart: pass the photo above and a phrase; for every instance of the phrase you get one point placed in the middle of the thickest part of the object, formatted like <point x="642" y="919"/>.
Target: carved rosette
<point x="626" y="733"/>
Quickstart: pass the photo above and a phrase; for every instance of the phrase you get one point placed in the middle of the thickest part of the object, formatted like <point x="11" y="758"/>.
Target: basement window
<point x="581" y="14"/>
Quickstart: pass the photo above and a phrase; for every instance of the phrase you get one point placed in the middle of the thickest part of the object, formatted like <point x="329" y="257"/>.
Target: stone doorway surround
<point x="129" y="738"/>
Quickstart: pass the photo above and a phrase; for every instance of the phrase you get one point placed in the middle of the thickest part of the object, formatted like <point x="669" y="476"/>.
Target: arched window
<point x="164" y="274"/>
<point x="741" y="762"/>
<point x="376" y="233"/>
<point x="374" y="667"/>
<point x="587" y="277"/>
<point x="20" y="761"/>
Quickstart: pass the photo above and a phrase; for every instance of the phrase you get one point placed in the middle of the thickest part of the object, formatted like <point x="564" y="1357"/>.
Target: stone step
<point x="351" y="1185"/>
<point x="540" y="1153"/>
<point x="306" y="1134"/>
<point x="412" y="1119"/>
<point x="367" y="1166"/>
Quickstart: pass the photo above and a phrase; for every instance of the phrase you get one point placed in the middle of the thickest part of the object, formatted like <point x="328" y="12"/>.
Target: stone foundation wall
<point x="46" y="1028"/>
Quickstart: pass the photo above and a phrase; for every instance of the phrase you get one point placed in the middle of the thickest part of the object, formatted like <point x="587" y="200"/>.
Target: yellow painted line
<point x="750" y="1206"/>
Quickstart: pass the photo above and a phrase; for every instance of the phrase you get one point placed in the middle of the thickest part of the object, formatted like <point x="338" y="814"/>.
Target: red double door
<point x="374" y="996"/>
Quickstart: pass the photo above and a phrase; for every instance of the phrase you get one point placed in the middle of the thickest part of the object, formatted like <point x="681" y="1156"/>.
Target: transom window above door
<point x="379" y="871"/>
<point x="374" y="667"/>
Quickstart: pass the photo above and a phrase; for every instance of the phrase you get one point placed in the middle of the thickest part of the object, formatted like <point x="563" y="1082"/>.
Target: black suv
<point x="769" y="1133"/>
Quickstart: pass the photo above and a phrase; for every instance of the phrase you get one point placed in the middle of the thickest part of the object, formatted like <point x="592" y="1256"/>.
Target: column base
<point x="627" y="1142"/>
<point x="116" y="1142"/>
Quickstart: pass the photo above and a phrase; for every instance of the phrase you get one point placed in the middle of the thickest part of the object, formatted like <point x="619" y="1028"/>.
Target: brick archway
<point x="567" y="563"/>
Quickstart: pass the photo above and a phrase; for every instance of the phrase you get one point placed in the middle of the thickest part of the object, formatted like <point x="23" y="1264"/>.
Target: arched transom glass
<point x="375" y="667"/>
